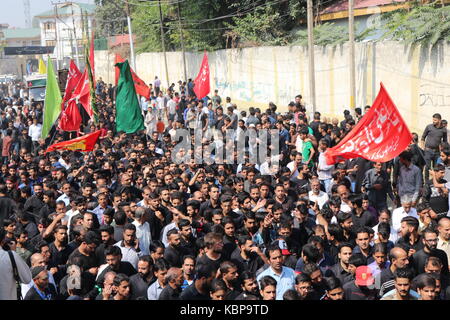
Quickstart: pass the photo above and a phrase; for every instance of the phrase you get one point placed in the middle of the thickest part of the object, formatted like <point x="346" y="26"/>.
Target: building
<point x="366" y="14"/>
<point x="22" y="37"/>
<point x="62" y="27"/>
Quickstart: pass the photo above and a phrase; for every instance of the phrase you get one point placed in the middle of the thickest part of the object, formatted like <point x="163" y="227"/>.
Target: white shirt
<point x="345" y="207"/>
<point x="129" y="254"/>
<point x="64" y="198"/>
<point x="35" y="132"/>
<point x="144" y="236"/>
<point x="154" y="291"/>
<point x="8" y="289"/>
<point x="290" y="166"/>
<point x="172" y="106"/>
<point x="392" y="237"/>
<point x="166" y="229"/>
<point x="160" y="103"/>
<point x="321" y="198"/>
<point x="398" y="214"/>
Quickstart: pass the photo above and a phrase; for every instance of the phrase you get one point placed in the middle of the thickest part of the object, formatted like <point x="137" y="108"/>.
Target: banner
<point x="201" y="87"/>
<point x="52" y="102"/>
<point x="140" y="86"/>
<point x="70" y="119"/>
<point x="379" y="136"/>
<point x="128" y="112"/>
<point x="83" y="143"/>
<point x="73" y="77"/>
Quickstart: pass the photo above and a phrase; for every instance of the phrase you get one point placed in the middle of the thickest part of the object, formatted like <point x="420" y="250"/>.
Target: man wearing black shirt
<point x="360" y="217"/>
<point x="385" y="280"/>
<point x="363" y="244"/>
<point x="341" y="269"/>
<point x="86" y="251"/>
<point x="114" y="260"/>
<point x="199" y="290"/>
<point x="411" y="241"/>
<point x="174" y="252"/>
<point x="213" y="251"/>
<point x="432" y="136"/>
<point x="430" y="240"/>
<point x="174" y="279"/>
<point x="140" y="281"/>
<point x="107" y="234"/>
<point x="213" y="202"/>
<point x="249" y="256"/>
<point x="360" y="289"/>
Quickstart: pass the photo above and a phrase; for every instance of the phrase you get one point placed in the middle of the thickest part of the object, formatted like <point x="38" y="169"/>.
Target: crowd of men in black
<point x="126" y="222"/>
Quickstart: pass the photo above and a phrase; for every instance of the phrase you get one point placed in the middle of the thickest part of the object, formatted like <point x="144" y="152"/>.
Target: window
<point x="50" y="43"/>
<point x="49" y="26"/>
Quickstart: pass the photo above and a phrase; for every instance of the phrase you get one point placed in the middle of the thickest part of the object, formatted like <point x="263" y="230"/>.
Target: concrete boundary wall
<point x="418" y="79"/>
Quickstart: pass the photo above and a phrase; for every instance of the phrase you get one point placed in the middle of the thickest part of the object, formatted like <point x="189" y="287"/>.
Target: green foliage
<point x="422" y="24"/>
<point x="110" y="17"/>
<point x="329" y="34"/>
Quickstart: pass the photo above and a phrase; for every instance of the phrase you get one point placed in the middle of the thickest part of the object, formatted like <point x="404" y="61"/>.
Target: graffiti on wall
<point x="434" y="96"/>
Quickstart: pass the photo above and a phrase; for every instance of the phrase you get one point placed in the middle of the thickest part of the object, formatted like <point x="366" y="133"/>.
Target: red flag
<point x="73" y="77"/>
<point x="70" y="117"/>
<point x="140" y="86"/>
<point x="201" y="87"/>
<point x="82" y="93"/>
<point x="83" y="143"/>
<point x="380" y="135"/>
<point x="117" y="60"/>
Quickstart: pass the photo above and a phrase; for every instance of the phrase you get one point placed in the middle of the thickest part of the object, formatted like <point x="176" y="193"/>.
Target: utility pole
<point x="58" y="49"/>
<point x="163" y="42"/>
<point x="75" y="36"/>
<point x="182" y="41"/>
<point x="130" y="34"/>
<point x="351" y="35"/>
<point x="312" y="81"/>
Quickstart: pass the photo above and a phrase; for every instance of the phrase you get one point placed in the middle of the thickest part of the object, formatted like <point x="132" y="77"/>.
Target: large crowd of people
<point x="127" y="222"/>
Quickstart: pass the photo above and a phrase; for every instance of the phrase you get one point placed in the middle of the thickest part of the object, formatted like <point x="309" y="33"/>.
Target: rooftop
<point x="339" y="10"/>
<point x="22" y="33"/>
<point x="66" y="9"/>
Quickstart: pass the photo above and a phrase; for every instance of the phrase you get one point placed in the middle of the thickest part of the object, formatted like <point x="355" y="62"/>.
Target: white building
<point x="62" y="27"/>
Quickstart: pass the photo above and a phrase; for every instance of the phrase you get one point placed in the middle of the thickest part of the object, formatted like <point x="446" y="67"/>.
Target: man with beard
<point x="250" y="226"/>
<point x="107" y="234"/>
<point x="281" y="197"/>
<point x="213" y="202"/>
<point x="141" y="281"/>
<point x="249" y="286"/>
<point x="199" y="290"/>
<point x="174" y="280"/>
<point x="430" y="241"/>
<point x="129" y="245"/>
<point x="114" y="263"/>
<point x="402" y="278"/>
<point x="249" y="257"/>
<point x="35" y="202"/>
<point x="385" y="280"/>
<point x="230" y="276"/>
<point x="411" y="241"/>
<point x="341" y="269"/>
<point x="188" y="271"/>
<point x="284" y="276"/>
<point x="174" y="251"/>
<point x="213" y="251"/>
<point x="59" y="252"/>
<point x="187" y="240"/>
<point x="86" y="251"/>
<point x="345" y="221"/>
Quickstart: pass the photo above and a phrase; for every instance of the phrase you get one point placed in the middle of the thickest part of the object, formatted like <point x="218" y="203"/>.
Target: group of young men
<point x="127" y="222"/>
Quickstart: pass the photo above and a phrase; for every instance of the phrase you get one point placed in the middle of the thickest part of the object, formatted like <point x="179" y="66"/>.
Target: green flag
<point x="128" y="113"/>
<point x="52" y="102"/>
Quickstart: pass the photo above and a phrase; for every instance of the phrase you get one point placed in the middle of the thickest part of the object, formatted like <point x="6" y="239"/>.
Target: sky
<point x="12" y="11"/>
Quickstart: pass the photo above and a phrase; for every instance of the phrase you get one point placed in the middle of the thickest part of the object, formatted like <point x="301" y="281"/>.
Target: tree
<point x="110" y="17"/>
